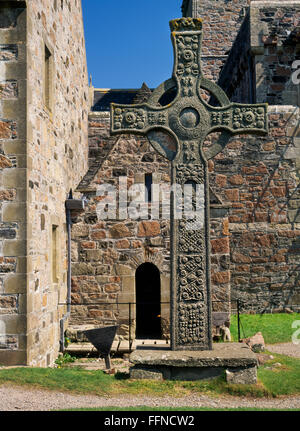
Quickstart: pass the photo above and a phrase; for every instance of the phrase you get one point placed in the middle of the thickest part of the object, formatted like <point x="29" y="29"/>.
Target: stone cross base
<point x="236" y="359"/>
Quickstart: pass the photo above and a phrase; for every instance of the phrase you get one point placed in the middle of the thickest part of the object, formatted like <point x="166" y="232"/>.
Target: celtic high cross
<point x="177" y="130"/>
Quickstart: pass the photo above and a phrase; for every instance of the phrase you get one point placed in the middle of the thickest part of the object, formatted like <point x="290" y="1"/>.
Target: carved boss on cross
<point x="177" y="131"/>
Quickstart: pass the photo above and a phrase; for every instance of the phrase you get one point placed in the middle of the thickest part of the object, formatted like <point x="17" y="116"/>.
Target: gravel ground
<point x="288" y="349"/>
<point x="20" y="399"/>
<point x="14" y="398"/>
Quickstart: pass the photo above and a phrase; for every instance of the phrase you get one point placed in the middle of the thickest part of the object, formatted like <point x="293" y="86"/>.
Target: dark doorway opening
<point x="147" y="282"/>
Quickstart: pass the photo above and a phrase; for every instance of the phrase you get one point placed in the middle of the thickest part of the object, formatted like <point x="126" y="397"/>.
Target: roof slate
<point x="103" y="98"/>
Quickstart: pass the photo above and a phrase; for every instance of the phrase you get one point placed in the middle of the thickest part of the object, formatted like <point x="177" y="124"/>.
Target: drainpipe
<point x="75" y="205"/>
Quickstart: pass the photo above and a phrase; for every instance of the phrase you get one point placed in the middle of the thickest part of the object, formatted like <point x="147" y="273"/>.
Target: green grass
<point x="284" y="380"/>
<point x="276" y="328"/>
<point x="212" y="387"/>
<point x="59" y="379"/>
<point x="272" y="382"/>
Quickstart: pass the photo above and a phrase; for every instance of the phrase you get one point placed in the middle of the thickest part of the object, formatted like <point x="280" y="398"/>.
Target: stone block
<point x="8" y="89"/>
<point x="256" y="342"/>
<point x="8" y="52"/>
<point x="94" y="255"/>
<point x="15" y="109"/>
<point x="79" y="231"/>
<point x="111" y="288"/>
<point x="124" y="270"/>
<point x="7" y="131"/>
<point x="8" y="302"/>
<point x="140" y="373"/>
<point x="156" y="242"/>
<point x="220" y="246"/>
<point x="165" y="289"/>
<point x="14" y="248"/>
<point x="242" y="376"/>
<point x="119" y="230"/>
<point x="14" y="177"/>
<point x="221" y="277"/>
<point x="98" y="235"/>
<point x="82" y="269"/>
<point x="14" y="147"/>
<point x="148" y="228"/>
<point x="14" y="323"/>
<point x="123" y="244"/>
<point x="14" y="212"/>
<point x="7" y="195"/>
<point x="12" y="357"/>
<point x="196" y="365"/>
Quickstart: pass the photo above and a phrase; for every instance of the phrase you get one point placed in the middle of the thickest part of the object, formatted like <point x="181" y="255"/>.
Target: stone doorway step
<point x="117" y="347"/>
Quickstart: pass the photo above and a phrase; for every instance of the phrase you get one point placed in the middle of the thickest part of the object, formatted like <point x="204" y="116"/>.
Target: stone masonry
<point x="254" y="244"/>
<point x="44" y="125"/>
<point x="106" y="254"/>
<point x="43" y="135"/>
<point x="13" y="183"/>
<point x="221" y="22"/>
<point x="260" y="63"/>
<point x="259" y="176"/>
<point x="264" y="225"/>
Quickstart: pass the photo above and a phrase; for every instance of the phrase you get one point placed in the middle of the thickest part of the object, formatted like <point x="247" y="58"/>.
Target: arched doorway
<point x="147" y="285"/>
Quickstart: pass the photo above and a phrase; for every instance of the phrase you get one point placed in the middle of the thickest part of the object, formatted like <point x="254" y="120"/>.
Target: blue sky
<point x="128" y="41"/>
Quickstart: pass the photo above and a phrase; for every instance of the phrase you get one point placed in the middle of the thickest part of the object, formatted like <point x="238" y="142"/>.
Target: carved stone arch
<point x="128" y="290"/>
<point x="156" y="258"/>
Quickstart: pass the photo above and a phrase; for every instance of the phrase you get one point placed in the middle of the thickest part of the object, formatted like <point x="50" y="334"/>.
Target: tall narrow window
<point x="148" y="185"/>
<point x="54" y="254"/>
<point x="47" y="77"/>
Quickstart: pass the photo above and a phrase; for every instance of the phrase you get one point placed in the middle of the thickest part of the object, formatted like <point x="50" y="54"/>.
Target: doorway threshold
<point x="150" y="342"/>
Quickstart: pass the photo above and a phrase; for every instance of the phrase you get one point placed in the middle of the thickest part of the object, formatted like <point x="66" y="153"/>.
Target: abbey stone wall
<point x="260" y="176"/>
<point x="255" y="239"/>
<point x="107" y="253"/>
<point x="44" y="154"/>
<point x="13" y="88"/>
<point x="265" y="269"/>
<point x="221" y="22"/>
<point x="255" y="243"/>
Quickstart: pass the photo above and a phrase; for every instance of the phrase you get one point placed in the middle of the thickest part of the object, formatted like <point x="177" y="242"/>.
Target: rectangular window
<point x="47" y="78"/>
<point x="54" y="254"/>
<point x="148" y="185"/>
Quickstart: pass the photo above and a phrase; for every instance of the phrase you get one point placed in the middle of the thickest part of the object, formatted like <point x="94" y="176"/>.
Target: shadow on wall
<point x="9" y="16"/>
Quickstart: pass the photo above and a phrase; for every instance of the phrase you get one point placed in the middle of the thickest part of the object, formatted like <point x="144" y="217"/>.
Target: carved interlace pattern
<point x="183" y="24"/>
<point x="191" y="296"/>
<point x="248" y="118"/>
<point x="129" y="118"/>
<point x="190" y="241"/>
<point x="189" y="172"/>
<point x="191" y="325"/>
<point x="191" y="269"/>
